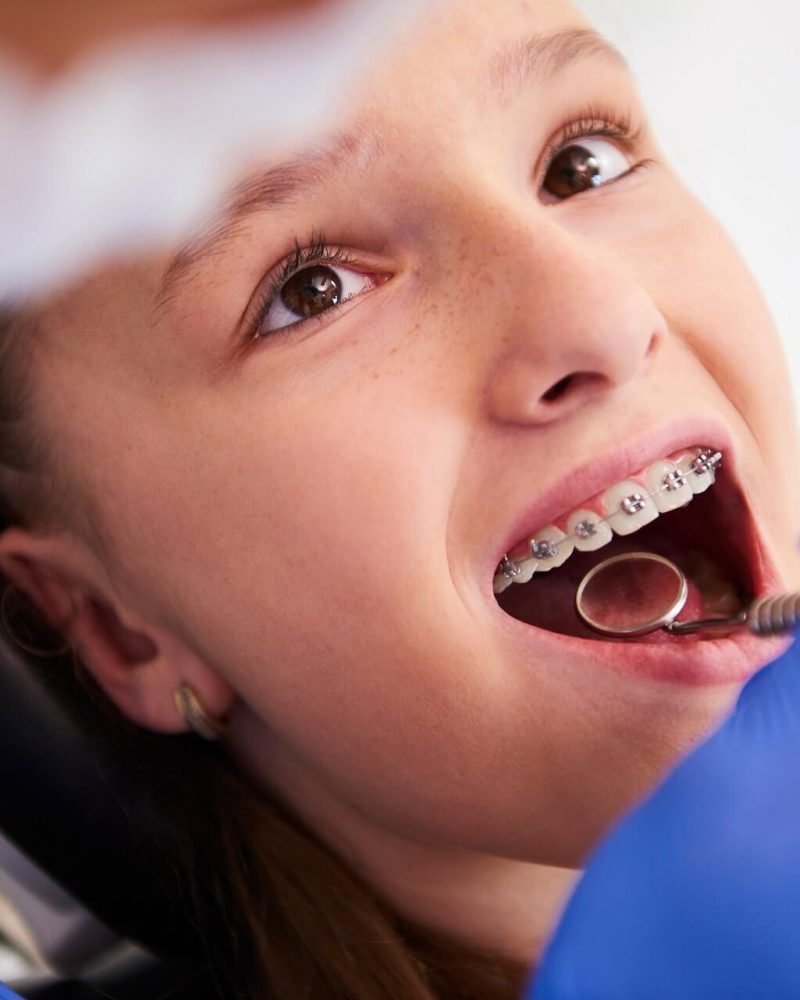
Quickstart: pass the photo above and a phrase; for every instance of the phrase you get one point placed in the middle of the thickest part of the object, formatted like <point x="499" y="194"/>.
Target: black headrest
<point x="68" y="803"/>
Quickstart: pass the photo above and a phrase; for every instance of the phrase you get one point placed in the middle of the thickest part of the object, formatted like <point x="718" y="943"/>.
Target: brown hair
<point x="281" y="914"/>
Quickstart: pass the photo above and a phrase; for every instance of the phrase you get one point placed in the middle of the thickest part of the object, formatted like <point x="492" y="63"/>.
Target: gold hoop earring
<point x="195" y="716"/>
<point x="10" y="593"/>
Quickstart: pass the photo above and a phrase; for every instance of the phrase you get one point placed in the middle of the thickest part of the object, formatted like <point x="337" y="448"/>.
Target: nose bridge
<point x="570" y="323"/>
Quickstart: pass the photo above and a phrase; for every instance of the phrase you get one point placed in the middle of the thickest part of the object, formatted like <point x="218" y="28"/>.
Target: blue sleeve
<point x="696" y="894"/>
<point x="6" y="994"/>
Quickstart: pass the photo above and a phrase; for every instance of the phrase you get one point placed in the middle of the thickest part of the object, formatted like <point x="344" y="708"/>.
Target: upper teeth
<point x="628" y="506"/>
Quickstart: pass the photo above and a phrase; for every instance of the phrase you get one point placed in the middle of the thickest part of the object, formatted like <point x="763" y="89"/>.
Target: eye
<point x="310" y="292"/>
<point x="584" y="164"/>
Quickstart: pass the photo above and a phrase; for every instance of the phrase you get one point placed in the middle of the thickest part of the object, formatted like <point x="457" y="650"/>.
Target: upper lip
<point x="577" y="485"/>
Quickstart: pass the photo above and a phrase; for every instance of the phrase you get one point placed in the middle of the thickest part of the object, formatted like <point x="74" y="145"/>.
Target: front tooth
<point x="699" y="481"/>
<point x="588" y="531"/>
<point x="551" y="536"/>
<point x="671" y="486"/>
<point x="629" y="507"/>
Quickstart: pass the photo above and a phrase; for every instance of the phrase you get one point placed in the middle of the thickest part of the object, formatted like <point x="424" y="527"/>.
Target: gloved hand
<point x="697" y="893"/>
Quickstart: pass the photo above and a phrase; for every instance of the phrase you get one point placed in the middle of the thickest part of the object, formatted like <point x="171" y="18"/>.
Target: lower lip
<point x="690" y="662"/>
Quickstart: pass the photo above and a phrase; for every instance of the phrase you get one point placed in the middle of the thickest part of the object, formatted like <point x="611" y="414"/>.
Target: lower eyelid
<point x="635" y="170"/>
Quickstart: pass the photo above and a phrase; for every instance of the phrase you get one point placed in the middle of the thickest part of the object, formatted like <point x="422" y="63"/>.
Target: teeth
<point x="589" y="531"/>
<point x="698" y="471"/>
<point x="670" y="487"/>
<point x="551" y="548"/>
<point x="628" y="507"/>
<point x="526" y="570"/>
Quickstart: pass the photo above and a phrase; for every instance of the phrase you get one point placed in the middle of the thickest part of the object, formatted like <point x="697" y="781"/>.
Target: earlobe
<point x="141" y="669"/>
<point x="139" y="666"/>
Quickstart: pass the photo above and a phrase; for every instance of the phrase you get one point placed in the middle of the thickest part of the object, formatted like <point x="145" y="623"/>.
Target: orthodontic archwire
<point x="706" y="462"/>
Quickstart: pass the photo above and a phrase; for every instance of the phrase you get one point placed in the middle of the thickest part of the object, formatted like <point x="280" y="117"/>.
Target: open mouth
<point x="682" y="507"/>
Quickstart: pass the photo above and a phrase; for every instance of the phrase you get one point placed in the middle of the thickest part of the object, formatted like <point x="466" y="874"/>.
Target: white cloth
<point x="131" y="148"/>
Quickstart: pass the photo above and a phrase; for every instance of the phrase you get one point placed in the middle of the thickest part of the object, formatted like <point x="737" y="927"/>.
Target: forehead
<point x="460" y="48"/>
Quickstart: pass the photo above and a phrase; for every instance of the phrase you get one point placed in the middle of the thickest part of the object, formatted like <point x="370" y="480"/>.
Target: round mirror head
<point x="631" y="595"/>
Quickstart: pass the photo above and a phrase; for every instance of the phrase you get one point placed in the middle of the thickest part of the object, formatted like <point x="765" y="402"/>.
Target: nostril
<point x="576" y="387"/>
<point x="652" y="347"/>
<point x="561" y="388"/>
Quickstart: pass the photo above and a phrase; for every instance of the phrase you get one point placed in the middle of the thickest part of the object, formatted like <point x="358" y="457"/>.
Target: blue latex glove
<point x="697" y="893"/>
<point x="6" y="994"/>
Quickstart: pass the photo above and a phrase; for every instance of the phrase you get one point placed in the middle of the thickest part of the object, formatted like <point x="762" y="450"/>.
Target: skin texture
<point x="298" y="526"/>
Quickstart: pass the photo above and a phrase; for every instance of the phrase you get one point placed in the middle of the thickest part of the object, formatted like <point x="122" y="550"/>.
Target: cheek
<point x="714" y="305"/>
<point x="735" y="359"/>
<point x="303" y="530"/>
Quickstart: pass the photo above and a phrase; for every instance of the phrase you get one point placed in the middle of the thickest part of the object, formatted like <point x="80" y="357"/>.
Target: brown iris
<point x="575" y="169"/>
<point x="312" y="291"/>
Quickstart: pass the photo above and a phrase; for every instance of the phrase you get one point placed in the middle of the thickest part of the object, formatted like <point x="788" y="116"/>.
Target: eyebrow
<point x="265" y="191"/>
<point x="540" y="58"/>
<point x="535" y="60"/>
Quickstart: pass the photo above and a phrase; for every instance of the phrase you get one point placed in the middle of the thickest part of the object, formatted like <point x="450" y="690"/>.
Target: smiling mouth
<point x="681" y="508"/>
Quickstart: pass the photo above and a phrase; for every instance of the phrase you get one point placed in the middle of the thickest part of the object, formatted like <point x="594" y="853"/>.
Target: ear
<point x="137" y="664"/>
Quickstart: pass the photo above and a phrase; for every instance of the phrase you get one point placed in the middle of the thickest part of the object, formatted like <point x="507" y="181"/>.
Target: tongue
<point x="548" y="601"/>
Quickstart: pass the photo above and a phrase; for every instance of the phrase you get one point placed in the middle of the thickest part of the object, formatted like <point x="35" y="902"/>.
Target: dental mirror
<point x="631" y="595"/>
<point x="638" y="593"/>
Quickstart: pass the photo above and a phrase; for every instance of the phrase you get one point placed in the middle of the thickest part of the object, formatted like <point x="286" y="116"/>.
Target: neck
<point x="504" y="907"/>
<point x="497" y="905"/>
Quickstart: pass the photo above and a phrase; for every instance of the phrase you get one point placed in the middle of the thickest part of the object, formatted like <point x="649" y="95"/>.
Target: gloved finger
<point x="769" y="704"/>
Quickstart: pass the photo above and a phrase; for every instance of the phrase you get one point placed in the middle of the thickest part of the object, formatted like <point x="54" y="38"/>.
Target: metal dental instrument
<point x="638" y="593"/>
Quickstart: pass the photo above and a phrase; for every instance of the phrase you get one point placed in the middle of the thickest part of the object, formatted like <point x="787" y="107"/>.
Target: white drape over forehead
<point x="133" y="148"/>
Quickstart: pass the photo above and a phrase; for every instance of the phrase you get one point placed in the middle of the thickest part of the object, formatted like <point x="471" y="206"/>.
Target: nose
<point x="576" y="326"/>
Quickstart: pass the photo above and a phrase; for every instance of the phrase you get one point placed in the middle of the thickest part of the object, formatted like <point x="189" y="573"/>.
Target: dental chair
<point x="82" y="866"/>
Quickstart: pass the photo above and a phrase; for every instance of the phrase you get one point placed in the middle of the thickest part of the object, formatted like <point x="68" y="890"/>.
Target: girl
<point x="321" y="483"/>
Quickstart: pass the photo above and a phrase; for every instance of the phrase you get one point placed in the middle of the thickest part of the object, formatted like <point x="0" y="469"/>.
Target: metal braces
<point x="634" y="503"/>
<point x="706" y="462"/>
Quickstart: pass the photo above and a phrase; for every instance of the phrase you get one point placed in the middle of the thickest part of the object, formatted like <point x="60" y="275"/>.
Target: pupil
<point x="312" y="291"/>
<point x="575" y="169"/>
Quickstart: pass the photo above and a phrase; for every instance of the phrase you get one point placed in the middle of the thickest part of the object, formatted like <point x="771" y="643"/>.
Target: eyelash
<point x="597" y="120"/>
<point x="316" y="250"/>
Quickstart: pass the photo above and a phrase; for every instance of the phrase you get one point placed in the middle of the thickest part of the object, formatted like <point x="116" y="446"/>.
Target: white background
<point x="721" y="81"/>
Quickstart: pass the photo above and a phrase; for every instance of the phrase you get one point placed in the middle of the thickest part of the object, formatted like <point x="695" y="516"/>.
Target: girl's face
<point x="532" y="308"/>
